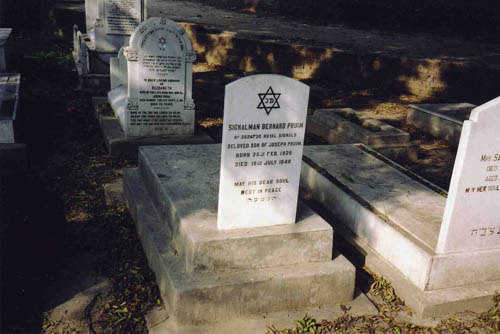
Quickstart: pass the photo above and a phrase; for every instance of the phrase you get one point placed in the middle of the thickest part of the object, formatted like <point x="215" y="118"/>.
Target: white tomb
<point x="262" y="142"/>
<point x="447" y="250"/>
<point x="109" y="24"/>
<point x="151" y="92"/>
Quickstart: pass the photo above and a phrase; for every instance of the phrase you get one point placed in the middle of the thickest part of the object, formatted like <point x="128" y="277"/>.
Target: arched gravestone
<point x="262" y="143"/>
<point x="159" y="87"/>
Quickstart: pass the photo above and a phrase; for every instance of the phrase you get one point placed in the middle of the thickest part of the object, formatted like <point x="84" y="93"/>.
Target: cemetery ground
<point x="73" y="264"/>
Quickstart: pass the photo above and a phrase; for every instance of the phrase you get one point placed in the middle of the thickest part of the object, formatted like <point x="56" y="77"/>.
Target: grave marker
<point x="263" y="138"/>
<point x="122" y="16"/>
<point x="157" y="99"/>
<point x="109" y="24"/>
<point x="471" y="219"/>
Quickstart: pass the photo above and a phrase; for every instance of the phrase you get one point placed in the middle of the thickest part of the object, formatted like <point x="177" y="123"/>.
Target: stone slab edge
<point x="212" y="298"/>
<point x="395" y="135"/>
<point x="440" y="116"/>
<point x="158" y="321"/>
<point x="476" y="298"/>
<point x="117" y="144"/>
<point x="437" y="125"/>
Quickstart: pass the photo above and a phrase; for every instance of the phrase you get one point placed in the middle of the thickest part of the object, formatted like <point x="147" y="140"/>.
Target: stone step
<point x="201" y="297"/>
<point x="183" y="184"/>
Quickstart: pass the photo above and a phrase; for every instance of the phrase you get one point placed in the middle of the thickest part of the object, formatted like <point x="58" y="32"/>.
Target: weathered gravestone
<point x="156" y="99"/>
<point x="272" y="255"/>
<point x="261" y="151"/>
<point x="109" y="24"/>
<point x="446" y="250"/>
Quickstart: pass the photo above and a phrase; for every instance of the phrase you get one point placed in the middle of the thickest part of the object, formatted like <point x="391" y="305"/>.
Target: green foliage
<point x="307" y="325"/>
<point x="59" y="57"/>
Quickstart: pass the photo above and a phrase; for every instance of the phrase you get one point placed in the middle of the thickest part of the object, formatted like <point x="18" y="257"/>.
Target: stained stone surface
<point x="262" y="142"/>
<point x="472" y="219"/>
<point x="156" y="99"/>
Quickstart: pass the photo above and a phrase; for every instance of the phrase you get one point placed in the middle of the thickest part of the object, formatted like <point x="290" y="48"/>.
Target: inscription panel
<point x="263" y="137"/>
<point x="162" y="81"/>
<point x="122" y="16"/>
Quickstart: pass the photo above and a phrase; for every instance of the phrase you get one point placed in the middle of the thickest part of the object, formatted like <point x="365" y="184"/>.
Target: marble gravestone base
<point x="206" y="275"/>
<point x="441" y="120"/>
<point x="395" y="217"/>
<point x="118" y="144"/>
<point x="349" y="126"/>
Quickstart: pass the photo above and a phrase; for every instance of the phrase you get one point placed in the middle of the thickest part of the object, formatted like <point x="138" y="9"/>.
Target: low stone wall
<point x="425" y="78"/>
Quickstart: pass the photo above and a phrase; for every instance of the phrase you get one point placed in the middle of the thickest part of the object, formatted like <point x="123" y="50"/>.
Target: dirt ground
<point x="62" y="238"/>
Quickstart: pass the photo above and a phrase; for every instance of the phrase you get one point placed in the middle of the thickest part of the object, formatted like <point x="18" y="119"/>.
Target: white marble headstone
<point x="262" y="142"/>
<point x="160" y="59"/>
<point x="472" y="216"/>
<point x="111" y="22"/>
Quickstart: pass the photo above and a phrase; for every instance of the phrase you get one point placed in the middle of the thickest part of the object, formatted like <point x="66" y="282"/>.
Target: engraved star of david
<point x="269" y="100"/>
<point x="162" y="41"/>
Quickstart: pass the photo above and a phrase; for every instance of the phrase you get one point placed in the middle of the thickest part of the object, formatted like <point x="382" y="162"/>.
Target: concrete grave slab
<point x="118" y="144"/>
<point x="207" y="275"/>
<point x="349" y="126"/>
<point x="156" y="99"/>
<point x="262" y="141"/>
<point x="387" y="208"/>
<point x="441" y="120"/>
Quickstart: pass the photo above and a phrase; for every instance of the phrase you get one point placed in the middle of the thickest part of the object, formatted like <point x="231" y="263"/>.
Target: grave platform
<point x="349" y="126"/>
<point x="118" y="144"/>
<point x="394" y="218"/>
<point x="206" y="275"/>
<point x="441" y="120"/>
